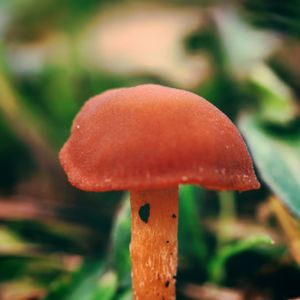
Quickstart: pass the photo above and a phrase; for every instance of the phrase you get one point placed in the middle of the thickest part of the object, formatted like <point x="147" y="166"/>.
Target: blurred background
<point x="244" y="56"/>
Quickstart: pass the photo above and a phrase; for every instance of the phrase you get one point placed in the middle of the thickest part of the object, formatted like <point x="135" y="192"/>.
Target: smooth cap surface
<point x="151" y="136"/>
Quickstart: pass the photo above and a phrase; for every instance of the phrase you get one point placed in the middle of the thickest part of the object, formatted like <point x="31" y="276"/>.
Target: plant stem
<point x="227" y="215"/>
<point x="153" y="245"/>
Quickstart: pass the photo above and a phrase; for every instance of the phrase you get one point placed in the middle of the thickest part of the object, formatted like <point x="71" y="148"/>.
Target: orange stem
<point x="153" y="247"/>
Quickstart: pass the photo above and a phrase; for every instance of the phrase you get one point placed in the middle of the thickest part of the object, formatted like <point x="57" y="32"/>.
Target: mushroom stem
<point x="153" y="247"/>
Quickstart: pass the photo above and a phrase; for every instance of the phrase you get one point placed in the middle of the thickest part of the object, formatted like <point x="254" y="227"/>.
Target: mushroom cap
<point x="149" y="137"/>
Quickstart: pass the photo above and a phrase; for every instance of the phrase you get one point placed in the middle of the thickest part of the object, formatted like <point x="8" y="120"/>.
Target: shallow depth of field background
<point x="244" y="56"/>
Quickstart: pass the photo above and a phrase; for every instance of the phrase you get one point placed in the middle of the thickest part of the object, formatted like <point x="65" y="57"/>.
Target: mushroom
<point x="149" y="139"/>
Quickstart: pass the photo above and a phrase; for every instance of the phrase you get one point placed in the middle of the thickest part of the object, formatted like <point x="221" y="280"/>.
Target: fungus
<point x="149" y="139"/>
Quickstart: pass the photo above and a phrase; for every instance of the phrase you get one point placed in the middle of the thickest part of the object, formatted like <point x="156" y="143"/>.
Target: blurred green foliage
<point x="277" y="154"/>
<point x="59" y="243"/>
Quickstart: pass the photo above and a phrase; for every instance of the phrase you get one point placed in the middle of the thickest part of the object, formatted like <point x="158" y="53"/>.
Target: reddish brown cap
<point x="151" y="136"/>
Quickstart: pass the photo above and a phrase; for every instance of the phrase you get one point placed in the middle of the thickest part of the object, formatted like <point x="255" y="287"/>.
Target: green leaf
<point x="106" y="287"/>
<point x="82" y="285"/>
<point x="41" y="269"/>
<point x="216" y="268"/>
<point x="127" y="295"/>
<point x="191" y="241"/>
<point x="120" y="241"/>
<point x="277" y="156"/>
<point x="275" y="97"/>
<point x="11" y="243"/>
<point x="238" y="39"/>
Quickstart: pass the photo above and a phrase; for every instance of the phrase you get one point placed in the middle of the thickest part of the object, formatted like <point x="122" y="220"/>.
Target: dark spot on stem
<point x="144" y="212"/>
<point x="167" y="283"/>
<point x="173" y="216"/>
<point x="175" y="277"/>
<point x="167" y="242"/>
